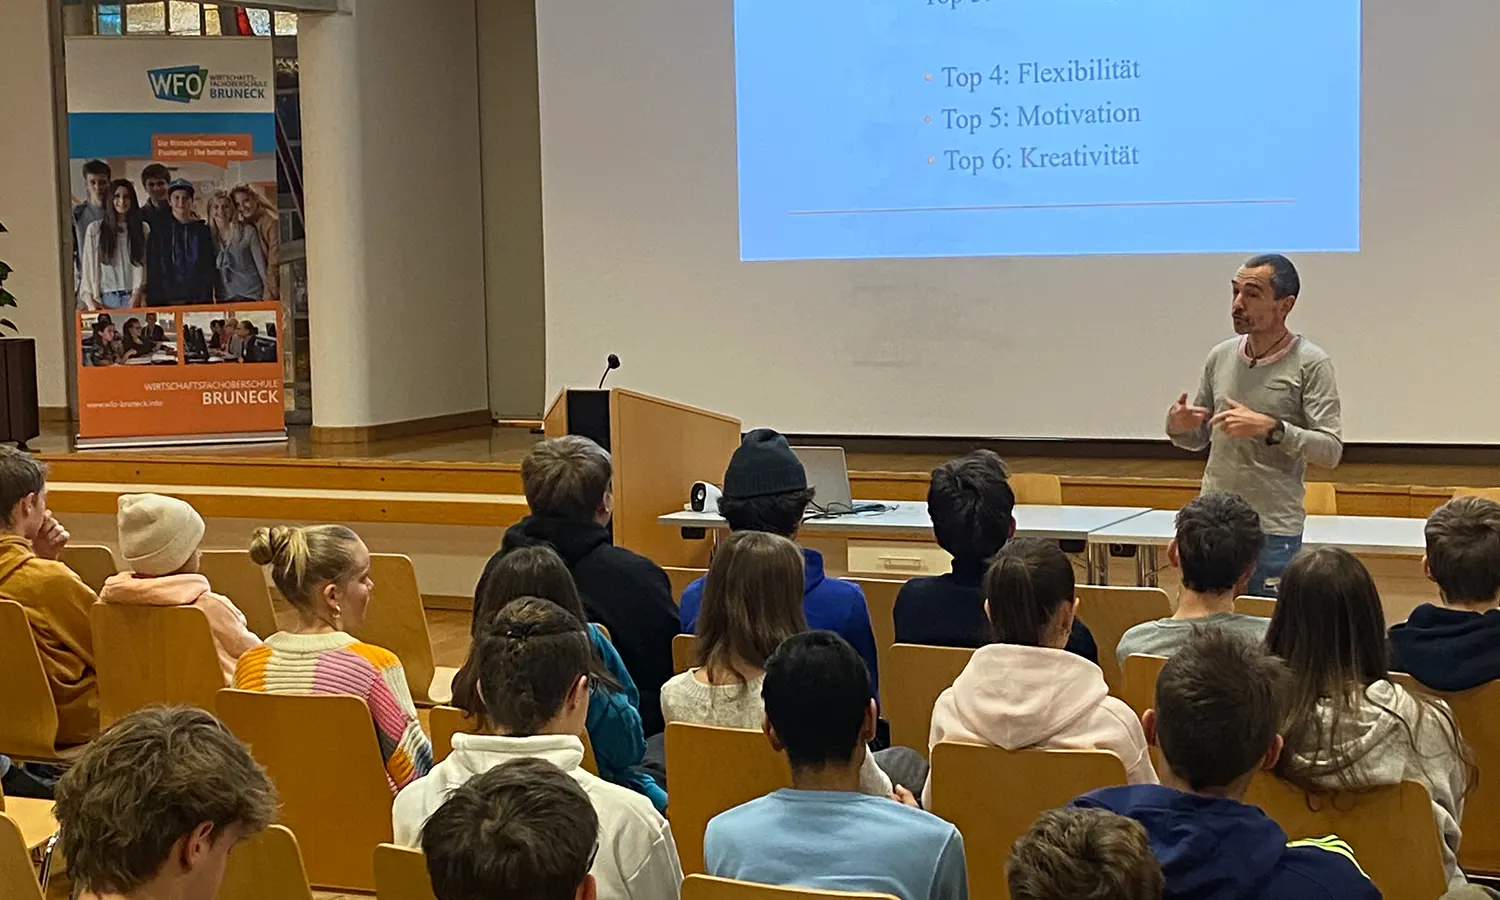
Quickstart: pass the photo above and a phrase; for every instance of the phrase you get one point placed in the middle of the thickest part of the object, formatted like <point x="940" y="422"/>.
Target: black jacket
<point x="626" y="593"/>
<point x="1447" y="649"/>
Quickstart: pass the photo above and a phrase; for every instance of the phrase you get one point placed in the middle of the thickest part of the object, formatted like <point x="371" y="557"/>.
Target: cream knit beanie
<point x="157" y="534"/>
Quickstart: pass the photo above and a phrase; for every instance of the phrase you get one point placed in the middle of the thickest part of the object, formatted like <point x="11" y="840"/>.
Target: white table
<point x="909" y="519"/>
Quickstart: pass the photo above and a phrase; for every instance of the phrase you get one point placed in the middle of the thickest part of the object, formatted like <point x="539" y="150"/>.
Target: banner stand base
<point x="178" y="440"/>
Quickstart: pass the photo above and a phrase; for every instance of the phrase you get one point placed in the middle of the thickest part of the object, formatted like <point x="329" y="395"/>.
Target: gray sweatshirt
<point x="242" y="267"/>
<point x="1299" y="389"/>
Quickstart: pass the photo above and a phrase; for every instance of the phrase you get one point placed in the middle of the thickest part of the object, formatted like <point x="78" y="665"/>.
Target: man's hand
<point x="1184" y="418"/>
<point x="51" y="538"/>
<point x="1240" y="420"/>
<point x="903" y="796"/>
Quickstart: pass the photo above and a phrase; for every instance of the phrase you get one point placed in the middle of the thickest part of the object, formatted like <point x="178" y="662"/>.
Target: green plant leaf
<point x="7" y="323"/>
<point x="7" y="298"/>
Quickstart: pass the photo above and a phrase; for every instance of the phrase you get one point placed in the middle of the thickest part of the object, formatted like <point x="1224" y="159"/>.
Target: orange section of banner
<point x="217" y="149"/>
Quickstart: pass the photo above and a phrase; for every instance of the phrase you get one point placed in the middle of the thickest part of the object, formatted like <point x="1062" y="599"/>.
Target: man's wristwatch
<point x="1277" y="434"/>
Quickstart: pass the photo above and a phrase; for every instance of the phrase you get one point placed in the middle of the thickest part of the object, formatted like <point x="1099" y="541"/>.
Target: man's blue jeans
<point x="1275" y="556"/>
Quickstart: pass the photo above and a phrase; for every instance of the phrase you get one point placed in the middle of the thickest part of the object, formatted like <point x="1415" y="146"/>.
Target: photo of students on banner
<point x="216" y="337"/>
<point x="128" y="339"/>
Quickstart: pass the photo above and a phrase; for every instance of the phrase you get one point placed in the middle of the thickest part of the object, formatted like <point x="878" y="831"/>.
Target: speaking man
<point x="1267" y="406"/>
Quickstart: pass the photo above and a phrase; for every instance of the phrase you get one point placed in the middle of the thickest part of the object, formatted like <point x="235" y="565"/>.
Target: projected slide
<point x="930" y="128"/>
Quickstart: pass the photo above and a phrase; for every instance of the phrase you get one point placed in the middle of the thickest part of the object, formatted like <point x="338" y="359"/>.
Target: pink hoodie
<point x="1019" y="697"/>
<point x="225" y="621"/>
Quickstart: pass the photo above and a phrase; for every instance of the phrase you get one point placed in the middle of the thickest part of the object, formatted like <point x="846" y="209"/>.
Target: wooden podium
<point x="659" y="449"/>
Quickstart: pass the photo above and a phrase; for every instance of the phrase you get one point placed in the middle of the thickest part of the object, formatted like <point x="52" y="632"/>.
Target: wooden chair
<point x="93" y="563"/>
<point x="401" y="874"/>
<point x="17" y="877"/>
<point x="34" y="818"/>
<point x="446" y="721"/>
<point x="1477" y="712"/>
<point x="153" y="654"/>
<point x="1321" y="499"/>
<point x="880" y="598"/>
<point x="918" y="674"/>
<point x="395" y="620"/>
<point x="681" y="578"/>
<point x="1491" y="493"/>
<point x="682" y="653"/>
<point x="994" y="795"/>
<point x="1265" y="607"/>
<point x="337" y="799"/>
<point x="28" y="730"/>
<point x="1391" y="829"/>
<point x="1109" y="612"/>
<point x="707" y="887"/>
<point x="1036" y="490"/>
<point x="1140" y="675"/>
<point x="710" y="770"/>
<point x="233" y="574"/>
<point x="266" y="867"/>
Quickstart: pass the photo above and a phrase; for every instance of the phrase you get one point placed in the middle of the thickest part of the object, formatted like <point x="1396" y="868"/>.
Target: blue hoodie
<point x="1212" y="848"/>
<point x="1448" y="649"/>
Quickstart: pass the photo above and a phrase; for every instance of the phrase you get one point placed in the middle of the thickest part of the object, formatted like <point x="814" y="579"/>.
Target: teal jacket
<point x="614" y="726"/>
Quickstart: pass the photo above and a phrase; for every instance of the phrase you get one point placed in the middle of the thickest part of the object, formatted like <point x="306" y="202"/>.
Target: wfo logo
<point x="179" y="84"/>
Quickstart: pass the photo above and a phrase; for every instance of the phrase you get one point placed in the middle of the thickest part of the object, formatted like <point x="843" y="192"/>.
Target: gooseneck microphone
<point x="611" y="364"/>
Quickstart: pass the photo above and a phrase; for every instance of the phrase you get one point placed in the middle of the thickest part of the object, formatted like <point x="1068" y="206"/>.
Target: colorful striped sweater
<point x="335" y="663"/>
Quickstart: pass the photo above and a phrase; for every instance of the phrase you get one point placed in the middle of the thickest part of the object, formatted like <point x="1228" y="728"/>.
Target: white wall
<point x="32" y="203"/>
<point x="395" y="261"/>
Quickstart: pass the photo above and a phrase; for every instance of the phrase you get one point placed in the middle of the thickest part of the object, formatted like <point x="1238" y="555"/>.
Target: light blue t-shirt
<point x="838" y="841"/>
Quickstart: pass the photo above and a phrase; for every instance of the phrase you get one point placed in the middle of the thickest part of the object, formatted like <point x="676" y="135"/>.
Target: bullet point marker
<point x="928" y="120"/>
<point x="929" y="76"/>
<point x="931" y="160"/>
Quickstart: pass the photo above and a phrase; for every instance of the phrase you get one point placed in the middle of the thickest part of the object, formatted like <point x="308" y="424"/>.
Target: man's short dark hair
<point x="155" y="171"/>
<point x="773" y="513"/>
<point x="816" y="692"/>
<point x="1218" y="542"/>
<point x="1463" y="549"/>
<point x="21" y="475"/>
<point x="523" y="830"/>
<point x="972" y="505"/>
<point x="1284" y="279"/>
<point x="1084" y="854"/>
<point x="96" y="167"/>
<point x="566" y="477"/>
<point x="1218" y="708"/>
<point x="529" y="658"/>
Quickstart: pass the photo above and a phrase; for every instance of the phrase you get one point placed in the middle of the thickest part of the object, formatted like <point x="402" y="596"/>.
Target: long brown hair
<point x="1025" y="585"/>
<point x="132" y="223"/>
<point x="1329" y="627"/>
<point x="752" y="601"/>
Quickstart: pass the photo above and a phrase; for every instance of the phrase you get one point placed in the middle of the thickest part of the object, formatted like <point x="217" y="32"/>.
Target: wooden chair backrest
<point x="153" y="654"/>
<point x="1140" y="676"/>
<point x="1477" y="712"/>
<point x="707" y="887"/>
<point x="918" y="674"/>
<point x="1265" y="607"/>
<point x="682" y="653"/>
<point x="446" y="721"/>
<point x="1017" y="786"/>
<point x="28" y="730"/>
<point x="1391" y="828"/>
<point x="1109" y="612"/>
<point x="236" y="576"/>
<point x="880" y="598"/>
<point x="1321" y="499"/>
<point x="17" y="877"/>
<point x="266" y="867"/>
<point x="401" y="874"/>
<point x="710" y="770"/>
<point x="1490" y="493"/>
<point x="93" y="563"/>
<point x="34" y="818"/>
<point x="1035" y="489"/>
<point x="321" y="752"/>
<point x="396" y="621"/>
<point x="681" y="578"/>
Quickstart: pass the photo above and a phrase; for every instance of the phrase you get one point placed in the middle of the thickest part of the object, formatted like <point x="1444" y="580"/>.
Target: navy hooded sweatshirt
<point x="1448" y="649"/>
<point x="1212" y="848"/>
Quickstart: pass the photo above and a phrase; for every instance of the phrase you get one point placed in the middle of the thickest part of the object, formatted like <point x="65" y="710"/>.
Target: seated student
<point x="56" y="600"/>
<point x="153" y="807"/>
<point x="568" y="487"/>
<point x="1348" y="726"/>
<point x="1024" y="690"/>
<point x="1217" y="545"/>
<point x="1083" y="854"/>
<point x="1218" y="707"/>
<point x="534" y="664"/>
<point x="765" y="489"/>
<point x="159" y="538"/>
<point x="324" y="573"/>
<point x="523" y="829"/>
<point x="614" y="722"/>
<point x="752" y="601"/>
<point x="972" y="506"/>
<point x="1456" y="646"/>
<point x="822" y="832"/>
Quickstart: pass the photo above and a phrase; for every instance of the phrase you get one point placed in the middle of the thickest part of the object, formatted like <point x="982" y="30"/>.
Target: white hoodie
<point x="1378" y="740"/>
<point x="1019" y="697"/>
<point x="637" y="857"/>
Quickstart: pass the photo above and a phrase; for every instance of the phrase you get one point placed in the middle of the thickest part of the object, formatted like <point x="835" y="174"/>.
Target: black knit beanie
<point x="764" y="464"/>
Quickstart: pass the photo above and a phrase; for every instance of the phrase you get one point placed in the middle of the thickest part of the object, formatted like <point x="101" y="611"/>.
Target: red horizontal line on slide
<point x="1116" y="205"/>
